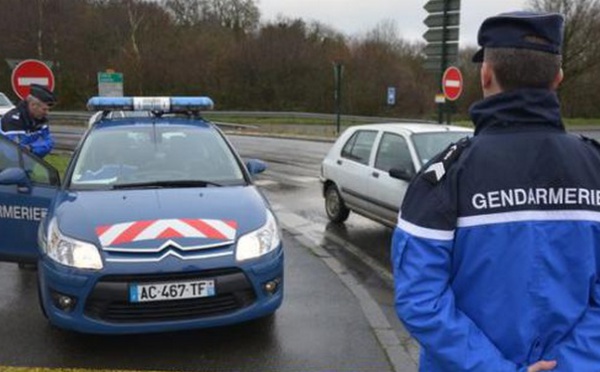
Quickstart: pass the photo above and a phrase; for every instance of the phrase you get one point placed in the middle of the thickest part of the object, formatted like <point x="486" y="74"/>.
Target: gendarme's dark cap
<point x="43" y="94"/>
<point x="521" y="30"/>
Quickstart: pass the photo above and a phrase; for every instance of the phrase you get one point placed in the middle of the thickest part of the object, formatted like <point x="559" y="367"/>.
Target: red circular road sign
<point x="31" y="71"/>
<point x="452" y="83"/>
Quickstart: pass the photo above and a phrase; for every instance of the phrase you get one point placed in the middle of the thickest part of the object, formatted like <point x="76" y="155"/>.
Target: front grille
<point x="109" y="301"/>
<point x="119" y="311"/>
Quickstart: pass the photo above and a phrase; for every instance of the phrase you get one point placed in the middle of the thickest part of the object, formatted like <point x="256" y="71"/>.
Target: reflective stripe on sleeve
<point x="424" y="232"/>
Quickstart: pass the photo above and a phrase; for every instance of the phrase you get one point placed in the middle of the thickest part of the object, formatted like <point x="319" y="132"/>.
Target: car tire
<point x="39" y="293"/>
<point x="334" y="205"/>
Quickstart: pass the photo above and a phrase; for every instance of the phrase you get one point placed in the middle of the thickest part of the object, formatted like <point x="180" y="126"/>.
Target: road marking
<point x="301" y="179"/>
<point x="264" y="183"/>
<point x="282" y="179"/>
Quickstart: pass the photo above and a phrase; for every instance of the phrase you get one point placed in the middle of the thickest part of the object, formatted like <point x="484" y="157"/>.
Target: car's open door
<point x="27" y="186"/>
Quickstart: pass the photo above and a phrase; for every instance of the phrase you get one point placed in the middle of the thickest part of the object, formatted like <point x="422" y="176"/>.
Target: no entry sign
<point x="452" y="83"/>
<point x="31" y="71"/>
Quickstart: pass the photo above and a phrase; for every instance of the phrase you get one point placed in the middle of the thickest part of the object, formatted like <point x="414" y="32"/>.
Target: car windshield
<point x="4" y="101"/>
<point x="148" y="155"/>
<point x="430" y="144"/>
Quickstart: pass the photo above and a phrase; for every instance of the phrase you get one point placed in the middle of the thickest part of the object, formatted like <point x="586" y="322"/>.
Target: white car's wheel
<point x="334" y="205"/>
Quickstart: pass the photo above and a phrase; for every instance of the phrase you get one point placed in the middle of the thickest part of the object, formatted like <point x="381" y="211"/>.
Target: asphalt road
<point x="321" y="327"/>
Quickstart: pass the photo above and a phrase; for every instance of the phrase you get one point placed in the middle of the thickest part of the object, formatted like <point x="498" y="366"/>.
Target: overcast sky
<point x="356" y="17"/>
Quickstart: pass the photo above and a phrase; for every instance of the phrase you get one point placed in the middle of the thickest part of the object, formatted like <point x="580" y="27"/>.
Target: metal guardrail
<point x="83" y="116"/>
<point x="68" y="126"/>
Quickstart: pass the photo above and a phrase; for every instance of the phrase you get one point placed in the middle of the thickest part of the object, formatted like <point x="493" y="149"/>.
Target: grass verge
<point x="59" y="161"/>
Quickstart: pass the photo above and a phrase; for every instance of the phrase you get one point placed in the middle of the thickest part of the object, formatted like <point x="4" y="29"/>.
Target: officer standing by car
<point x="496" y="255"/>
<point x="27" y="123"/>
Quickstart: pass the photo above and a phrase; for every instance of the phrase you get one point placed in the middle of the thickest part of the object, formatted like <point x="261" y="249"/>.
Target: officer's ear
<point x="488" y="80"/>
<point x="558" y="79"/>
<point x="486" y="75"/>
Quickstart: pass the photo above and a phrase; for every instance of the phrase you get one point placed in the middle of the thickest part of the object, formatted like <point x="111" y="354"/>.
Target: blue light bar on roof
<point x="163" y="104"/>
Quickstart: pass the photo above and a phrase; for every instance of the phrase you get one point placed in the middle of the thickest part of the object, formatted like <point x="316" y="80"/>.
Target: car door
<point x="27" y="186"/>
<point x="352" y="167"/>
<point x="386" y="192"/>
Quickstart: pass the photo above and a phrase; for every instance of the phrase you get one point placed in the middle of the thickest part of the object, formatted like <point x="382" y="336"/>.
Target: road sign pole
<point x="442" y="38"/>
<point x="442" y="107"/>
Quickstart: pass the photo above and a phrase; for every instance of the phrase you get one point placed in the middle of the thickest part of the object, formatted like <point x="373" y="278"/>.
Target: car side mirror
<point x="401" y="174"/>
<point x="256" y="166"/>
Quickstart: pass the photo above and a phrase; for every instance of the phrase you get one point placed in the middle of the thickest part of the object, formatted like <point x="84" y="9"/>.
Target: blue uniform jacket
<point x="30" y="133"/>
<point x="497" y="250"/>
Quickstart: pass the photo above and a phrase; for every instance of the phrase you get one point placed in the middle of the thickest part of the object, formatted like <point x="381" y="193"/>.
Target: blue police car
<point x="157" y="225"/>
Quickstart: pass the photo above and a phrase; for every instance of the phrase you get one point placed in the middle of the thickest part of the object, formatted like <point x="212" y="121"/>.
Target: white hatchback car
<point x="369" y="167"/>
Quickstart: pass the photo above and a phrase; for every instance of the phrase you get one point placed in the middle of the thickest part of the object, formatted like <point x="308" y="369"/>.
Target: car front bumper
<point x="100" y="301"/>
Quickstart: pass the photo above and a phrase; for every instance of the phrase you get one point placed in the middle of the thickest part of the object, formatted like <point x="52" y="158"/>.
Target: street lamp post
<point x="338" y="69"/>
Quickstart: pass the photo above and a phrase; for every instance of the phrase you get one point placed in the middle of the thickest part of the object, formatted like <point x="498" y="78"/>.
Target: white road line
<point x="304" y="179"/>
<point x="264" y="183"/>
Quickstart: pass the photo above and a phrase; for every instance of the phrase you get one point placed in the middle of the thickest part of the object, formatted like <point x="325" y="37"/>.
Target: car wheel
<point x="334" y="205"/>
<point x="39" y="293"/>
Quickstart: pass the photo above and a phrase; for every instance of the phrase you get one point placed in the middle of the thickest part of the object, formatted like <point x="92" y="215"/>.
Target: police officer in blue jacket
<point x="496" y="255"/>
<point x="27" y="123"/>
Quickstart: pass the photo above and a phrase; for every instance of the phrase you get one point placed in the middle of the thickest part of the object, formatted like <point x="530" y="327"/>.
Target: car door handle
<point x="339" y="162"/>
<point x="375" y="174"/>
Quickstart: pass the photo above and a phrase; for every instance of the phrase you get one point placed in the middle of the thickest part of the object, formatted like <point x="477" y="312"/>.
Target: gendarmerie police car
<point x="156" y="227"/>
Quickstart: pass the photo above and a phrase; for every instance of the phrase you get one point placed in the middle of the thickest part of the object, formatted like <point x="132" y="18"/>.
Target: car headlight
<point x="70" y="252"/>
<point x="259" y="242"/>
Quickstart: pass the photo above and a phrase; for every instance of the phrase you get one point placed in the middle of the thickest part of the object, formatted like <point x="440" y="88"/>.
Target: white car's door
<point x="386" y="192"/>
<point x="350" y="170"/>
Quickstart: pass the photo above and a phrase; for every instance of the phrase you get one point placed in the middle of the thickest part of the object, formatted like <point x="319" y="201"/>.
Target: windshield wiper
<point x="165" y="184"/>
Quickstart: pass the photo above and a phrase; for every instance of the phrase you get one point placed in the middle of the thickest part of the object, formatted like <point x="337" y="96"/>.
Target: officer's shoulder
<point x="12" y="114"/>
<point x="436" y="169"/>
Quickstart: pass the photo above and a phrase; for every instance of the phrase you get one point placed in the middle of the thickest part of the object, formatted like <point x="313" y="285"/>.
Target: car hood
<point x="151" y="218"/>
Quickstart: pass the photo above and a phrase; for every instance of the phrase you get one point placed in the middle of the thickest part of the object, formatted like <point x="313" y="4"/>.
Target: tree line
<point x="222" y="49"/>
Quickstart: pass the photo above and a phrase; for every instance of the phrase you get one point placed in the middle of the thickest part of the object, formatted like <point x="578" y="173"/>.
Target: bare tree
<point x="239" y="15"/>
<point x="581" y="46"/>
<point x="188" y="12"/>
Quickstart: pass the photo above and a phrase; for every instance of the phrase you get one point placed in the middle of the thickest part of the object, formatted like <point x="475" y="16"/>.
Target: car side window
<point x="9" y="154"/>
<point x="37" y="170"/>
<point x="358" y="147"/>
<point x="393" y="152"/>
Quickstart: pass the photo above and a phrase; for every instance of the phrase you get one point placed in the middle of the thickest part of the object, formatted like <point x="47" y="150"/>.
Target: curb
<point x="303" y="231"/>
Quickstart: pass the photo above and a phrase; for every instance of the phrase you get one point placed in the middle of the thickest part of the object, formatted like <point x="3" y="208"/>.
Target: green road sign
<point x="110" y="77"/>
<point x="434" y="6"/>
<point x="437" y="20"/>
<point x="437" y="34"/>
<point x="436" y="49"/>
<point x="110" y="84"/>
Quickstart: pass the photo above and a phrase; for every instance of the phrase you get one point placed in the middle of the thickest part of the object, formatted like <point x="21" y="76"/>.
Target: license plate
<point x="171" y="291"/>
